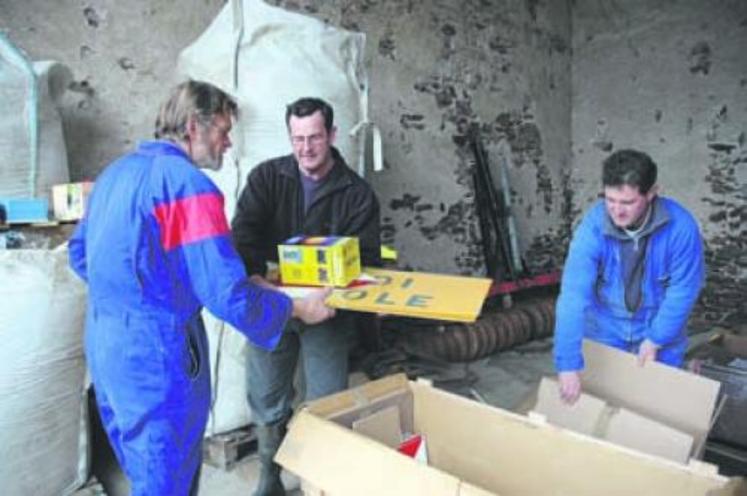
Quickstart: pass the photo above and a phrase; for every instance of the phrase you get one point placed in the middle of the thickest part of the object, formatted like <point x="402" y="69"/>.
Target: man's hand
<point x="570" y="386"/>
<point x="311" y="308"/>
<point x="647" y="352"/>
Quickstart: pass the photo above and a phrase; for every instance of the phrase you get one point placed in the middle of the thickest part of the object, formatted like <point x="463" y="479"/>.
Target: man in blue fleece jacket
<point x="633" y="273"/>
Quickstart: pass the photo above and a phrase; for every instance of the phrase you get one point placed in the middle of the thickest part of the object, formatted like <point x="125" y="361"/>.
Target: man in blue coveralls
<point x="154" y="248"/>
<point x="633" y="273"/>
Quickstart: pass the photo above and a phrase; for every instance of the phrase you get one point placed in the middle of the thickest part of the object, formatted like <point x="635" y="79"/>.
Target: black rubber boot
<point x="269" y="438"/>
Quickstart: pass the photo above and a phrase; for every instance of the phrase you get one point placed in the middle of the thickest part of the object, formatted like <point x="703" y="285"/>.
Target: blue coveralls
<point x="155" y="248"/>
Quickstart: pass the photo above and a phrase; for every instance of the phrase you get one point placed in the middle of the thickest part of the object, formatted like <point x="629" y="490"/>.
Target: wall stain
<point x="700" y="58"/>
<point x="412" y="121"/>
<point x="387" y="46"/>
<point x="93" y="19"/>
<point x="125" y="63"/>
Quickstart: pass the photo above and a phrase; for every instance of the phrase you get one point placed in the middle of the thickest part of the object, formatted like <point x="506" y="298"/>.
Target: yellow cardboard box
<point x="319" y="260"/>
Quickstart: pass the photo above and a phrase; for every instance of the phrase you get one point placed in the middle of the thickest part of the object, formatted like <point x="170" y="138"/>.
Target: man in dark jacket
<point x="310" y="192"/>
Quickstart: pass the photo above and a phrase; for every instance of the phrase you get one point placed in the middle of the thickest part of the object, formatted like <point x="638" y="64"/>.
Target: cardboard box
<point x="319" y="260"/>
<point x="656" y="409"/>
<point x="473" y="449"/>
<point x="69" y="200"/>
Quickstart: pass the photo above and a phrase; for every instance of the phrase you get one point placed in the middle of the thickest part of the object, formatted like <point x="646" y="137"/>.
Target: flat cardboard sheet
<point x="416" y="294"/>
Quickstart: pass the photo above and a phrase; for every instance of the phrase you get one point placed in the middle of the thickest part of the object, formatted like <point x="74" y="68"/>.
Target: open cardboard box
<point x="473" y="449"/>
<point x="656" y="409"/>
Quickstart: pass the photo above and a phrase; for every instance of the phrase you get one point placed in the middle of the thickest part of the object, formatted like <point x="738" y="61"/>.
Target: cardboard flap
<point x="594" y="417"/>
<point x="666" y="394"/>
<point x="581" y="417"/>
<point x="361" y="396"/>
<point x="383" y="426"/>
<point x="626" y="428"/>
<point x="329" y="457"/>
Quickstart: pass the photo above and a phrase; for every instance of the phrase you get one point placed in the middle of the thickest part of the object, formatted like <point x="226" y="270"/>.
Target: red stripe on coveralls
<point x="191" y="219"/>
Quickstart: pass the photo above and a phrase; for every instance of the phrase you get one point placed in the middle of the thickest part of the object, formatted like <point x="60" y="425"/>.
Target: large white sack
<point x="43" y="416"/>
<point x="228" y="354"/>
<point x="32" y="145"/>
<point x="266" y="58"/>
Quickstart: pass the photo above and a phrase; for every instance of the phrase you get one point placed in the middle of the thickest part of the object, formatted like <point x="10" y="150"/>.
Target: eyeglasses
<point x="312" y="140"/>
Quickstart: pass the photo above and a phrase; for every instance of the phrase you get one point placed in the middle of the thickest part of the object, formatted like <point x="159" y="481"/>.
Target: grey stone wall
<point x="122" y="54"/>
<point x="437" y="67"/>
<point x="670" y="78"/>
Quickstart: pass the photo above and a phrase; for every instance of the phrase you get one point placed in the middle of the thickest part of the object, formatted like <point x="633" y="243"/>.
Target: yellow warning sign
<point x="415" y="294"/>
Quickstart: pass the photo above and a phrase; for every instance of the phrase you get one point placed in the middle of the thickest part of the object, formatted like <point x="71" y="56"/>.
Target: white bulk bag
<point x="43" y="416"/>
<point x="31" y="140"/>
<point x="267" y="57"/>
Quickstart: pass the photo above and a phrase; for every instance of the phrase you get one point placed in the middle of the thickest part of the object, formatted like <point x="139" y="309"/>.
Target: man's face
<point x="626" y="205"/>
<point x="210" y="141"/>
<point x="311" y="142"/>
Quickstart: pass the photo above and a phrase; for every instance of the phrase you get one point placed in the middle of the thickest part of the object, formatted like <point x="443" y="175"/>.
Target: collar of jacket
<point x="337" y="177"/>
<point x="160" y="147"/>
<point x="659" y="217"/>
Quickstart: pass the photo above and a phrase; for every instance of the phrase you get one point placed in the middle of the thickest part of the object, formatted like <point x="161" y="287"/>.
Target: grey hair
<point x="191" y="98"/>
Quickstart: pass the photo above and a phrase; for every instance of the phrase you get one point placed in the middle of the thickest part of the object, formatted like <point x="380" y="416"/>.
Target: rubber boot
<point x="269" y="438"/>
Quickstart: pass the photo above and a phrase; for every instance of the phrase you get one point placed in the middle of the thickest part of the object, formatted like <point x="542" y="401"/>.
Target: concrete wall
<point x="670" y="78"/>
<point x="436" y="67"/>
<point x="122" y="55"/>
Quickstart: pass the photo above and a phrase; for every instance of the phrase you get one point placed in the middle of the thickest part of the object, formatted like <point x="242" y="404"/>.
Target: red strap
<point x="191" y="219"/>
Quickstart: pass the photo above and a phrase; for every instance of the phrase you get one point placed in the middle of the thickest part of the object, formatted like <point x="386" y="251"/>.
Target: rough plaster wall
<point x="122" y="55"/>
<point x="670" y="78"/>
<point x="436" y="67"/>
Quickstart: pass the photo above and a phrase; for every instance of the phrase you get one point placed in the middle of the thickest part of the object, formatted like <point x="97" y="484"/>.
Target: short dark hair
<point x="629" y="168"/>
<point x="191" y="98"/>
<point x="304" y="107"/>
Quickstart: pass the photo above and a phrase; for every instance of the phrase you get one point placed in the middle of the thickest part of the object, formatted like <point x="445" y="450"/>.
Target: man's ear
<point x="652" y="192"/>
<point x="332" y="134"/>
<point x="191" y="128"/>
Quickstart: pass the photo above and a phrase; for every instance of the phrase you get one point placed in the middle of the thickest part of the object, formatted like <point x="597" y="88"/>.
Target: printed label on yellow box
<point x="319" y="260"/>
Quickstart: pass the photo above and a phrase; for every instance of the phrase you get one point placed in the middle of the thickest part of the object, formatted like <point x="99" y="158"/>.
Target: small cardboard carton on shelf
<point x="655" y="409"/>
<point x="69" y="200"/>
<point x="319" y="260"/>
<point x="347" y="443"/>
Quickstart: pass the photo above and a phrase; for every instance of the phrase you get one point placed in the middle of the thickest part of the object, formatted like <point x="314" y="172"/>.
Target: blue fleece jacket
<point x="592" y="295"/>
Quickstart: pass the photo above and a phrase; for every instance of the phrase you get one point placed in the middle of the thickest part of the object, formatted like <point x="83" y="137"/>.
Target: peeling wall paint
<point x="670" y="80"/>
